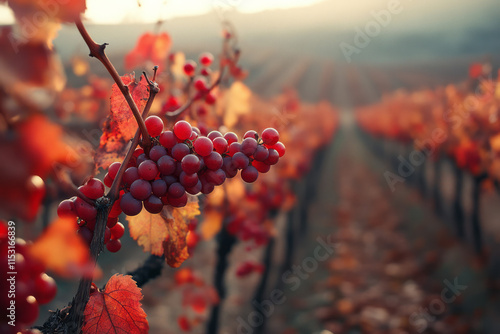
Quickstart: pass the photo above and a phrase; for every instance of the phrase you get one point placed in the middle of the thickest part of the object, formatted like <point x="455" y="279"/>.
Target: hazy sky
<point x="117" y="11"/>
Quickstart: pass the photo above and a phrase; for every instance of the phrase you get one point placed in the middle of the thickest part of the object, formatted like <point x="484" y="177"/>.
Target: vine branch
<point x="97" y="51"/>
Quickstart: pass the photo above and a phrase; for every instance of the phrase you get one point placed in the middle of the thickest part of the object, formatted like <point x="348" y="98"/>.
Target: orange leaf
<point x="117" y="309"/>
<point x="149" y="47"/>
<point x="121" y="125"/>
<point x="61" y="250"/>
<point x="165" y="232"/>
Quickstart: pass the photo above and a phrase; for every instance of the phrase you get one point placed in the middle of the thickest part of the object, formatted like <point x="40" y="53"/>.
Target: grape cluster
<point x="30" y="288"/>
<point x="86" y="214"/>
<point x="185" y="162"/>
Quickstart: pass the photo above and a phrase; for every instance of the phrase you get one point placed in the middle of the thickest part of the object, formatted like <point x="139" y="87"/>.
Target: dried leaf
<point x="165" y="233"/>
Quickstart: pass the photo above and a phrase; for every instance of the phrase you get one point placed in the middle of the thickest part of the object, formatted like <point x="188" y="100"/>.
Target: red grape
<point x="249" y="174"/>
<point x="148" y="170"/>
<point x="203" y="146"/>
<point x="117" y="231"/>
<point x="182" y="130"/>
<point x="189" y="67"/>
<point x="168" y="139"/>
<point x="154" y="124"/>
<point x="153" y="204"/>
<point x="141" y="189"/>
<point x="190" y="164"/>
<point x="130" y="205"/>
<point x="166" y="165"/>
<point x="270" y="136"/>
<point x="66" y="209"/>
<point x="206" y="58"/>
<point x="113" y="169"/>
<point x="114" y="245"/>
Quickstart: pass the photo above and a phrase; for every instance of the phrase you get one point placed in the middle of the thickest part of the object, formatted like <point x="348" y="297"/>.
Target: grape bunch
<point x="27" y="289"/>
<point x="184" y="162"/>
<point x="86" y="214"/>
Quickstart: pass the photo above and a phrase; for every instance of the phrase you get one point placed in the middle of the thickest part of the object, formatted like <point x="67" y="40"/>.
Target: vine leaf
<point x="120" y="126"/>
<point x="165" y="233"/>
<point x="116" y="309"/>
<point x="62" y="250"/>
<point x="149" y="47"/>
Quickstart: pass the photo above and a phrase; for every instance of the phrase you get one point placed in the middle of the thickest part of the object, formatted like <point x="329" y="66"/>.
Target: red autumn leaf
<point x="30" y="151"/>
<point x="62" y="250"/>
<point x="149" y="47"/>
<point x="166" y="232"/>
<point x="116" y="309"/>
<point x="61" y="11"/>
<point x="120" y="126"/>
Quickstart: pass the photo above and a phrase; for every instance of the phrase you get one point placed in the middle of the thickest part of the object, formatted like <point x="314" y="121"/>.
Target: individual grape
<point x="117" y="231"/>
<point x="210" y="99"/>
<point x="248" y="146"/>
<point x="114" y="245"/>
<point x="27" y="310"/>
<point x="93" y="188"/>
<point x="182" y="130"/>
<point x="115" y="209"/>
<point x="166" y="165"/>
<point x="159" y="188"/>
<point x="261" y="166"/>
<point x="240" y="160"/>
<point x="180" y="150"/>
<point x="280" y="147"/>
<point x="200" y="84"/>
<point x="154" y="125"/>
<point x="138" y="151"/>
<point x="203" y="146"/>
<point x="201" y="111"/>
<point x="214" y="134"/>
<point x="194" y="190"/>
<point x="213" y="161"/>
<point x="188" y="180"/>
<point x="108" y="181"/>
<point x="107" y="235"/>
<point x="190" y="164"/>
<point x="140" y="159"/>
<point x="86" y="234"/>
<point x="175" y="190"/>
<point x="194" y="135"/>
<point x="148" y="170"/>
<point x="169" y="179"/>
<point x="112" y="221"/>
<point x="178" y="169"/>
<point x="205" y="71"/>
<point x="273" y="157"/>
<point x="153" y="204"/>
<point x="157" y="152"/>
<point x="270" y="136"/>
<point x="45" y="288"/>
<point x="206" y="58"/>
<point x="231" y="137"/>
<point x="113" y="169"/>
<point x="261" y="153"/>
<point x="84" y="210"/>
<point x="130" y="205"/>
<point x="131" y="174"/>
<point x="66" y="209"/>
<point x="207" y="187"/>
<point x="178" y="202"/>
<point x="251" y="134"/>
<point x="216" y="177"/>
<point x="140" y="189"/>
<point x="249" y="174"/>
<point x="189" y="67"/>
<point x="220" y="145"/>
<point x="168" y="139"/>
<point x="234" y="148"/>
<point x="228" y="167"/>
<point x="195" y="129"/>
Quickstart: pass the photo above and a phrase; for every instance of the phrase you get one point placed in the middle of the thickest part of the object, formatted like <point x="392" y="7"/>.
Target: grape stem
<point x="97" y="51"/>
